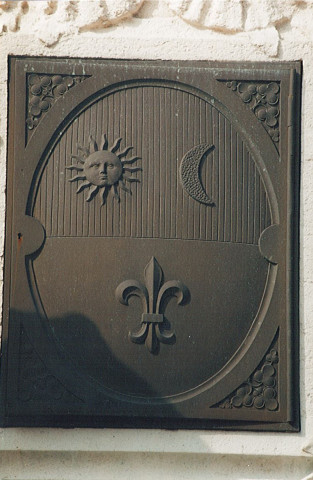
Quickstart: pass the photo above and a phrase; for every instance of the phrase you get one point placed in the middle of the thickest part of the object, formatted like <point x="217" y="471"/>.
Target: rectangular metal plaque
<point x="151" y="247"/>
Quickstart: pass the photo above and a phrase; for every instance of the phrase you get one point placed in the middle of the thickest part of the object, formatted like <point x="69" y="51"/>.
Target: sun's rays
<point x="102" y="169"/>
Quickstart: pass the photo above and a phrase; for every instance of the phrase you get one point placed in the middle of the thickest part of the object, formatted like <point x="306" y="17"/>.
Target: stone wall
<point x="234" y="30"/>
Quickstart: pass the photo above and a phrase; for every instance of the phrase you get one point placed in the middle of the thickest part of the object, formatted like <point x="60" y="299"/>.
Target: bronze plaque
<point x="151" y="245"/>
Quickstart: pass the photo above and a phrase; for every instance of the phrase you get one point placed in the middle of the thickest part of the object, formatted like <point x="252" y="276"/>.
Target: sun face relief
<point x="101" y="169"/>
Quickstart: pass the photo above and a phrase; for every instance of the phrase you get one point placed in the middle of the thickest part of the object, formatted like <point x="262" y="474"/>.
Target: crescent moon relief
<point x="190" y="173"/>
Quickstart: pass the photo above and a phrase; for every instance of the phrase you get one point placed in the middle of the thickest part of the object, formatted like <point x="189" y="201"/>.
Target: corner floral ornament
<point x="264" y="100"/>
<point x="101" y="168"/>
<point x="154" y="297"/>
<point x="44" y="91"/>
<point x="260" y="390"/>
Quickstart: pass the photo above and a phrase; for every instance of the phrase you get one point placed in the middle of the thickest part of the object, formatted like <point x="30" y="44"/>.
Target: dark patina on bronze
<point x="175" y="182"/>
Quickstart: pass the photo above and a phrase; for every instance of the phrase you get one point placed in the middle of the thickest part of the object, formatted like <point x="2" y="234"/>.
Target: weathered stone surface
<point x="10" y="15"/>
<point x="216" y="14"/>
<point x="103" y="14"/>
<point x="52" y="19"/>
<point x="263" y="13"/>
<point x="266" y="40"/>
<point x="225" y="15"/>
<point x="72" y="16"/>
<point x="168" y="466"/>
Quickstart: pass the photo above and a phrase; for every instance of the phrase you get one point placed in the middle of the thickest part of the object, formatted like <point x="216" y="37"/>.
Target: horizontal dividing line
<point x="154" y="238"/>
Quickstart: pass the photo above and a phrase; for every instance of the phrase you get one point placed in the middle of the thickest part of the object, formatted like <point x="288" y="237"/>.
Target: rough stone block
<point x="262" y="13"/>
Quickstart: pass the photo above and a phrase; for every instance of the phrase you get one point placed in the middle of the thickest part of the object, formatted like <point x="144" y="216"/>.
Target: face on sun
<point x="103" y="168"/>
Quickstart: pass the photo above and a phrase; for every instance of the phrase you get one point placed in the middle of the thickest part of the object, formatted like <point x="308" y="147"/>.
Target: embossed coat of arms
<point x="151" y="271"/>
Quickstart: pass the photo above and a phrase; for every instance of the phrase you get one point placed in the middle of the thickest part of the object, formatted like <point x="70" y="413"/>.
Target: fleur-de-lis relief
<point x="154" y="297"/>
